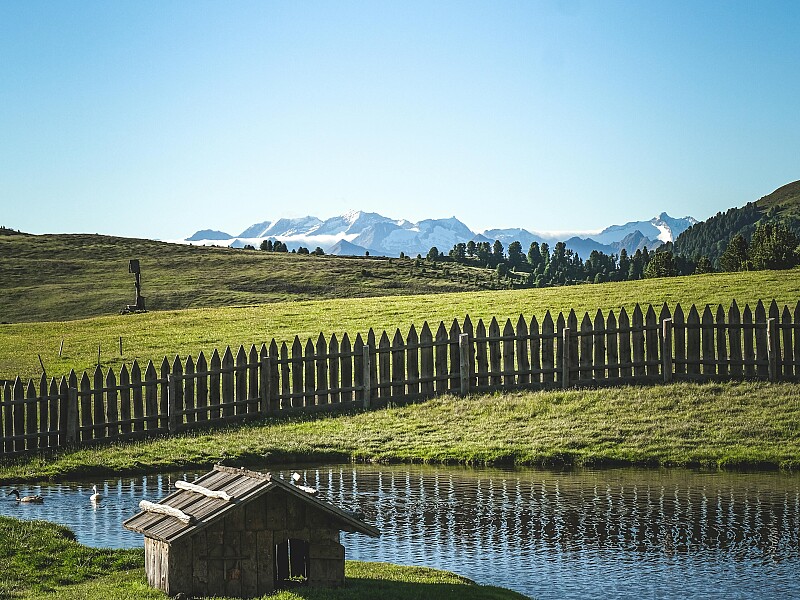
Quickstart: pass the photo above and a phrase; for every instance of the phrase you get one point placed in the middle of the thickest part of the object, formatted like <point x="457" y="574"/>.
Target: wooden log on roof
<point x="199" y="489"/>
<point x="163" y="509"/>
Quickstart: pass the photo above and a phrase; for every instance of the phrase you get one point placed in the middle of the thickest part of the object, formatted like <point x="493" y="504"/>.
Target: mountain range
<point x="358" y="232"/>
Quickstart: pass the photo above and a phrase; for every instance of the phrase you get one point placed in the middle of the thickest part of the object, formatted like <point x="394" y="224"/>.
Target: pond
<point x="621" y="533"/>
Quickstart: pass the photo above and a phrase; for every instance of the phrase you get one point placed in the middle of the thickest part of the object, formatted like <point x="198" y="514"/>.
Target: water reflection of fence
<point x="332" y="375"/>
<point x="482" y="515"/>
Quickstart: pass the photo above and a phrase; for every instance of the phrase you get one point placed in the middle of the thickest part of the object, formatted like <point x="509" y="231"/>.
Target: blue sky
<point x="156" y="119"/>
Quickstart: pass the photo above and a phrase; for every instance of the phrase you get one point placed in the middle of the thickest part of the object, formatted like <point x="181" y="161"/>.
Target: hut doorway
<point x="291" y="563"/>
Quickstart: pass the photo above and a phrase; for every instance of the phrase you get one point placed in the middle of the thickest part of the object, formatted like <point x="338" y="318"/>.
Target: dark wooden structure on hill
<point x="242" y="533"/>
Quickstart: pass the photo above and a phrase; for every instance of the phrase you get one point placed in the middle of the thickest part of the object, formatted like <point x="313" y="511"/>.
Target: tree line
<point x="773" y="245"/>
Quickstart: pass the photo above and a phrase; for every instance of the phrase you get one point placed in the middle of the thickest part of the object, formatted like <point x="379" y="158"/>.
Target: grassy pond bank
<point x="747" y="425"/>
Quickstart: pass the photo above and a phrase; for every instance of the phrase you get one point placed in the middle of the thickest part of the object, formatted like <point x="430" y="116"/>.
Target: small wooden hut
<point x="241" y="533"/>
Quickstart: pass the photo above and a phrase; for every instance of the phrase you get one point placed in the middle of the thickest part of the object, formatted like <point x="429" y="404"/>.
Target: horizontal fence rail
<point x="332" y="374"/>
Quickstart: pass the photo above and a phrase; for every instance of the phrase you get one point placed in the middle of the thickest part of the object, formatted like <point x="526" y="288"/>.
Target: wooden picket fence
<point x="328" y="374"/>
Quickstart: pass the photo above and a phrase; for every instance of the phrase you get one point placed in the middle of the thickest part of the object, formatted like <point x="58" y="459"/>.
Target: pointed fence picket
<point x="326" y="374"/>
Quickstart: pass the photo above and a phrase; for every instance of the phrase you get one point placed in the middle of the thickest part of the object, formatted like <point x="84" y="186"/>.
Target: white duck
<point x="95" y="497"/>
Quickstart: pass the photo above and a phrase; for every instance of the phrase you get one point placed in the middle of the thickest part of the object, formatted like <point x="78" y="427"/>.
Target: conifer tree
<point x="534" y="255"/>
<point x="773" y="247"/>
<point x="735" y="256"/>
<point x="515" y="257"/>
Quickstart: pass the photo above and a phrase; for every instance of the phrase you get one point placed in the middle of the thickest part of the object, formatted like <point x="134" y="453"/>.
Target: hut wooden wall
<point x="235" y="556"/>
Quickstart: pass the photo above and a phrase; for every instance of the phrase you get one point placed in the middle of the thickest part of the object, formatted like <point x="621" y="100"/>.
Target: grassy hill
<point x="156" y="334"/>
<point x="62" y="277"/>
<point x="710" y="238"/>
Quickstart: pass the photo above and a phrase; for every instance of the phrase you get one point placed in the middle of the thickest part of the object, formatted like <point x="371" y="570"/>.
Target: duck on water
<point x="26" y="499"/>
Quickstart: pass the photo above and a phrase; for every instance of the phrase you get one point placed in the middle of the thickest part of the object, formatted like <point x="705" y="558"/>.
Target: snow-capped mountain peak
<point x="357" y="231"/>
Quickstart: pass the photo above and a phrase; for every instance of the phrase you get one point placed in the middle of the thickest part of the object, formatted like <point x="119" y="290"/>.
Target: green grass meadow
<point x="155" y="334"/>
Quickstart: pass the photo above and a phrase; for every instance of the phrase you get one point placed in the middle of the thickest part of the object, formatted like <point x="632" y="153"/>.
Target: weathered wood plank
<point x="286" y="388"/>
<point x="322" y="391"/>
<point x="54" y="409"/>
<point x="735" y="340"/>
<point x="585" y="344"/>
<point x="201" y="387"/>
<point x="470" y="331"/>
<point x="574" y="346"/>
<point x="228" y="383"/>
<point x="481" y="355"/>
<point x="495" y="365"/>
<point x="358" y="369"/>
<point x="275" y="381"/>
<point x="384" y="366"/>
<point x="611" y="345"/>
<point x="535" y="351"/>
<point x="164" y="392"/>
<point x="561" y="324"/>
<point x="693" y="342"/>
<point x="509" y="380"/>
<point x="240" y="376"/>
<point x="125" y="400"/>
<point x="599" y="343"/>
<point x="189" y="385"/>
<point x="624" y="333"/>
<point x="334" y="395"/>
<point x="42" y="406"/>
<point x="787" y="349"/>
<point x="309" y="366"/>
<point x="98" y="403"/>
<point x="548" y="349"/>
<point x="762" y="352"/>
<point x="748" y="334"/>
<point x="8" y="418"/>
<point x="651" y="342"/>
<point x="679" y="336"/>
<point x="707" y="333"/>
<point x="347" y="369"/>
<point x="398" y="365"/>
<point x="412" y="361"/>
<point x="31" y="424"/>
<point x="112" y="406"/>
<point x="214" y="386"/>
<point x="71" y="435"/>
<point x="176" y="405"/>
<point x="372" y="344"/>
<point x="426" y="366"/>
<point x="87" y="432"/>
<point x="722" y="342"/>
<point x="455" y="358"/>
<point x="522" y="345"/>
<point x="442" y="374"/>
<point x="637" y="342"/>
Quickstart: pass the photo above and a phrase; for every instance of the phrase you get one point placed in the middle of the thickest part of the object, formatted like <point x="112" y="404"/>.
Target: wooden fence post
<point x="666" y="350"/>
<point x="565" y="359"/>
<point x="266" y="383"/>
<point x="463" y="354"/>
<point x="71" y="433"/>
<point x="367" y="379"/>
<point x="772" y="349"/>
<point x="172" y="403"/>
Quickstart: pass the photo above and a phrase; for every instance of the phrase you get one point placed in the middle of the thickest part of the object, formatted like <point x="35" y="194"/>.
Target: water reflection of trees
<point x="525" y="514"/>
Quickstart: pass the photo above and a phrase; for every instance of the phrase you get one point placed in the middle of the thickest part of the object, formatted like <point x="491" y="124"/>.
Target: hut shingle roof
<point x="243" y="486"/>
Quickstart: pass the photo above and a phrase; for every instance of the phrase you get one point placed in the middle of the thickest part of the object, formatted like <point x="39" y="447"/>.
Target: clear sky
<point x="156" y="119"/>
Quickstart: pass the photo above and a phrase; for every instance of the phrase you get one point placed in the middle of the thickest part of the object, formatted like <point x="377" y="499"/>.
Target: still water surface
<point x="580" y="534"/>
